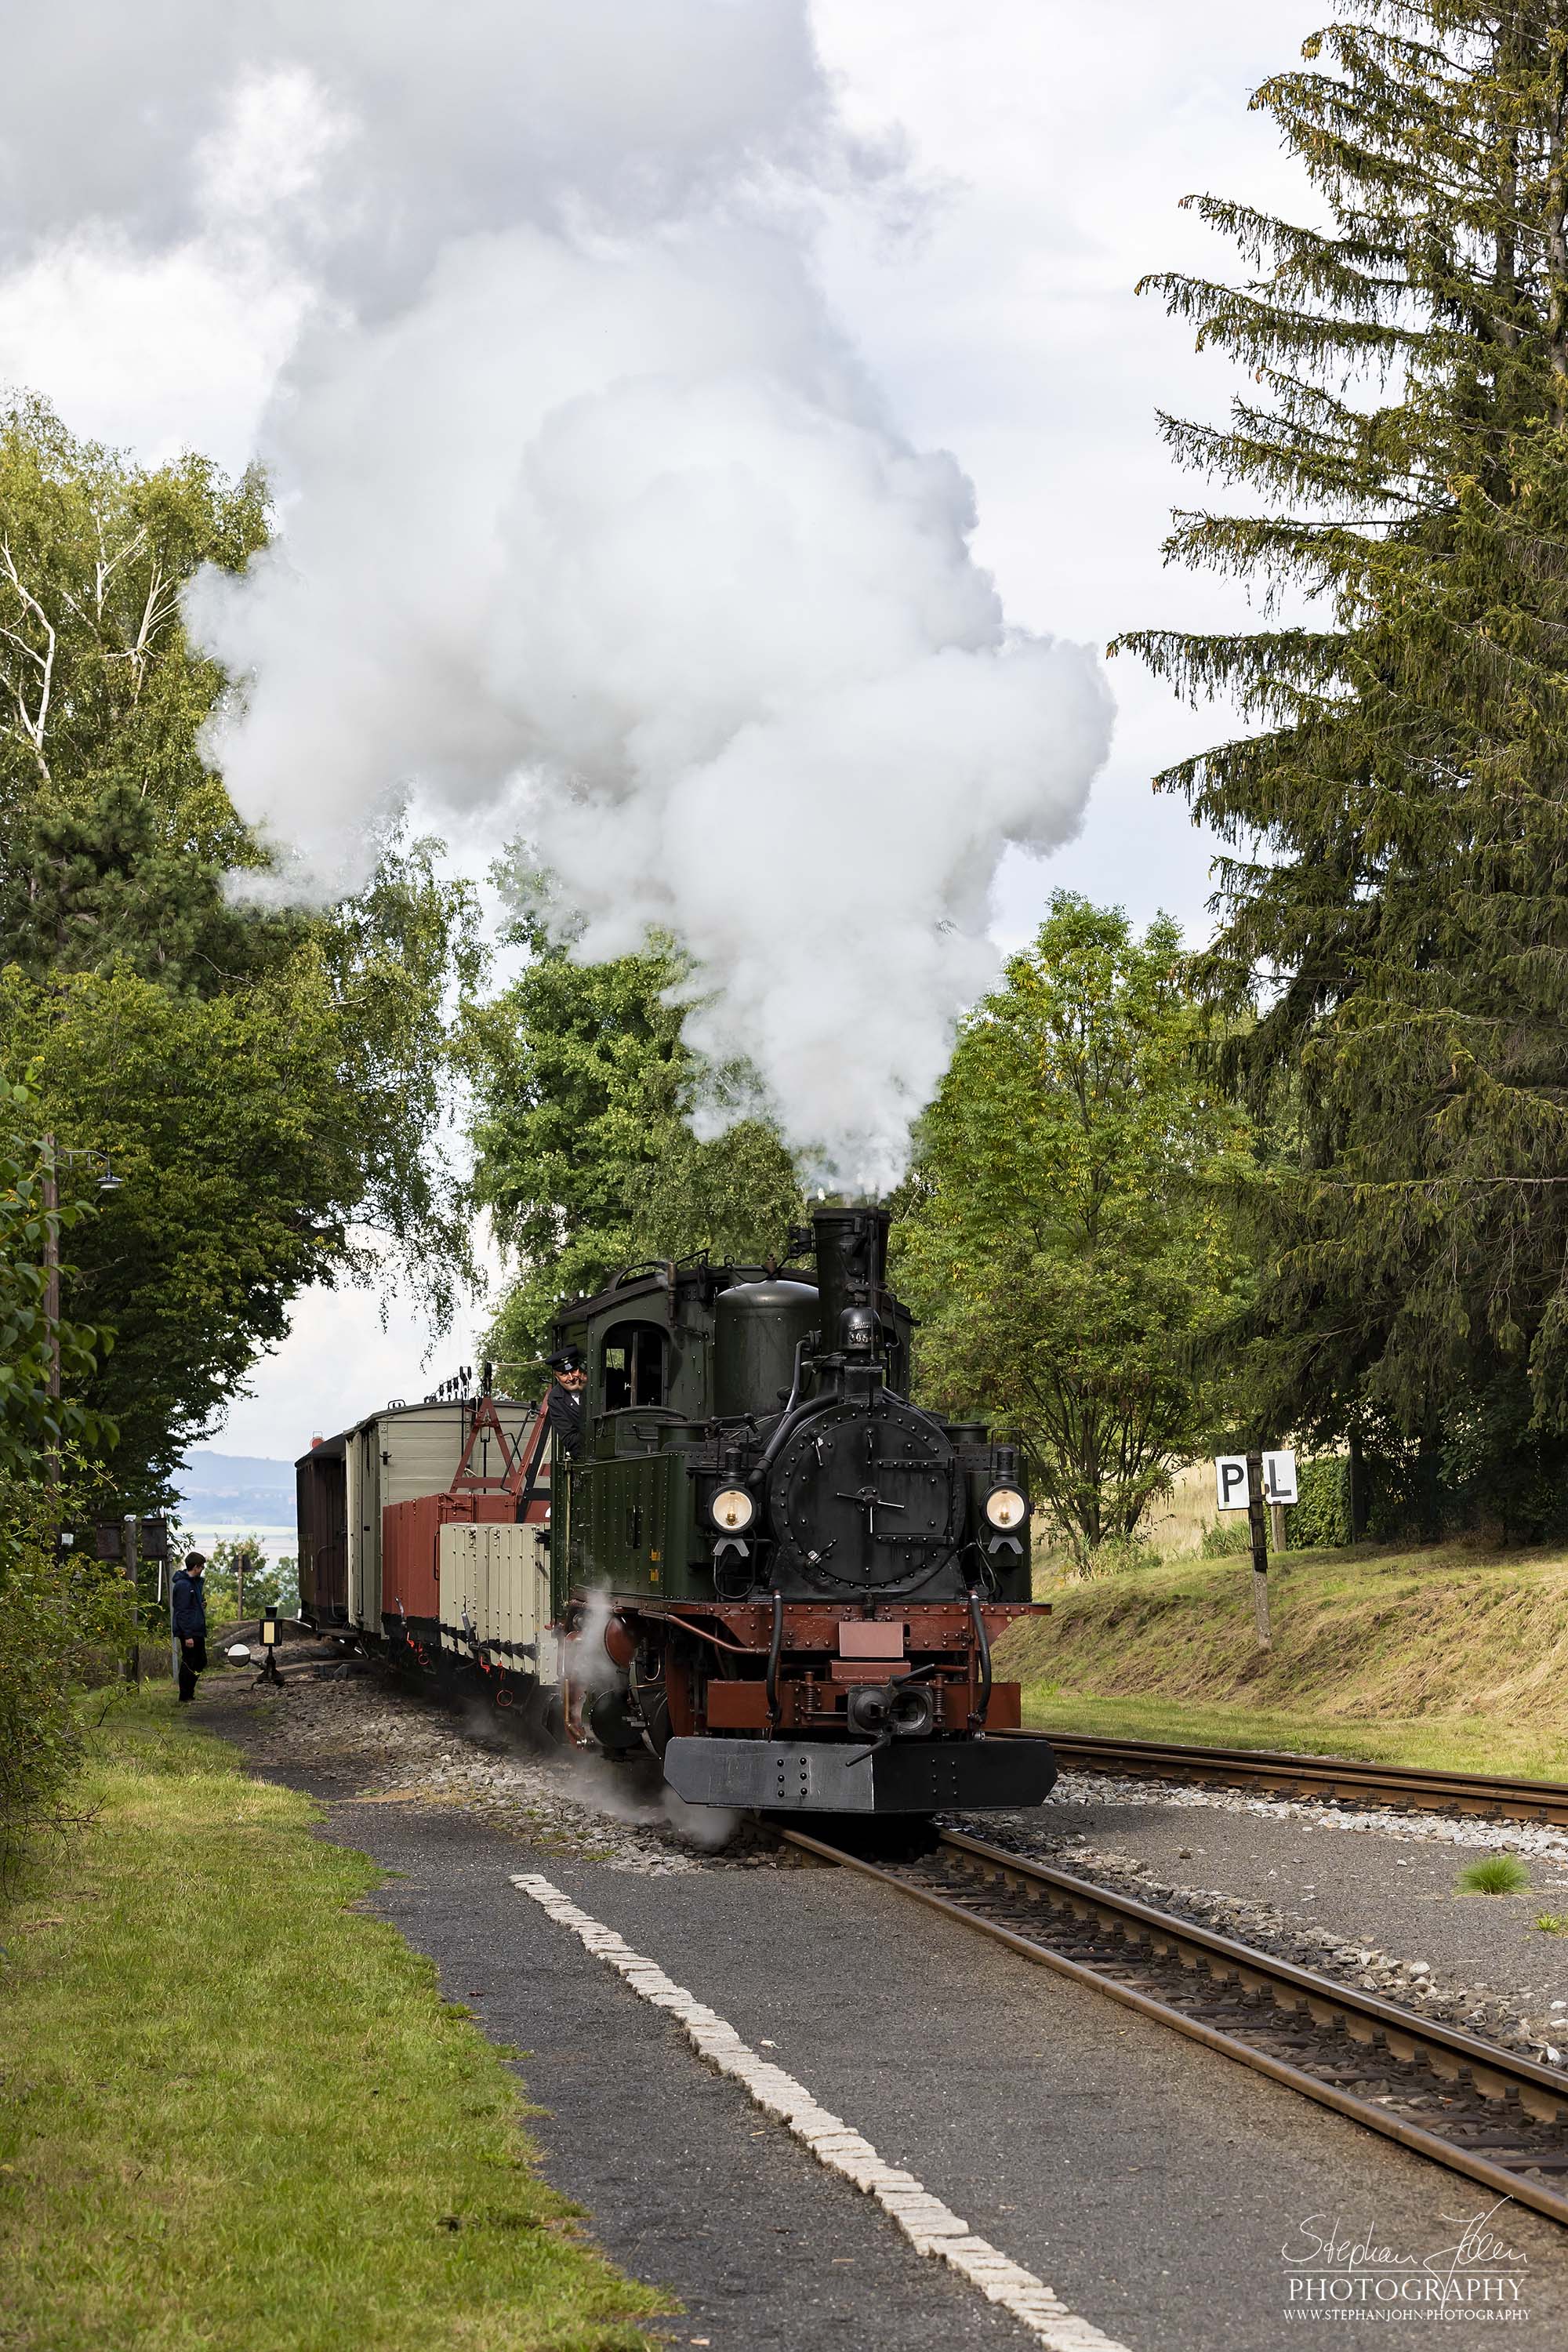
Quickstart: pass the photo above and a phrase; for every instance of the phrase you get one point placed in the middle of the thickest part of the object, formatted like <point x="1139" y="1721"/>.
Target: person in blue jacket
<point x="190" y="1623"/>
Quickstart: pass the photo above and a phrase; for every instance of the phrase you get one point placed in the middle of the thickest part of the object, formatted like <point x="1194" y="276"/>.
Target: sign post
<point x="1259" y="1523"/>
<point x="1260" y="1485"/>
<point x="133" y="1669"/>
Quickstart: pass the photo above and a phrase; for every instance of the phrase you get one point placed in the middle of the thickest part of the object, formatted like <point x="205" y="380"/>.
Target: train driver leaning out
<point x="563" y="1402"/>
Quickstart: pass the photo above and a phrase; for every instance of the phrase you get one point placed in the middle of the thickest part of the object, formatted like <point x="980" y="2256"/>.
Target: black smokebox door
<point x="871" y="1494"/>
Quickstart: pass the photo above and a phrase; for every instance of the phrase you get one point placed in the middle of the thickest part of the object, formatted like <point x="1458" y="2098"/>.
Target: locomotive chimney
<point x="851" y="1263"/>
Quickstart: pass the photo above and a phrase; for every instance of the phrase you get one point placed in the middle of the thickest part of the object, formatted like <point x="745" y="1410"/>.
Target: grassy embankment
<point x="237" y="2113"/>
<point x="1446" y="1656"/>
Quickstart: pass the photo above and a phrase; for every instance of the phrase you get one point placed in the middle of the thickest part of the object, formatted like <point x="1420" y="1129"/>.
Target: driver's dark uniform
<point x="563" y="1413"/>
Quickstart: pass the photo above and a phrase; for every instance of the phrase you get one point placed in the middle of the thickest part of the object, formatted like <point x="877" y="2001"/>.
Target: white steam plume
<point x="592" y="520"/>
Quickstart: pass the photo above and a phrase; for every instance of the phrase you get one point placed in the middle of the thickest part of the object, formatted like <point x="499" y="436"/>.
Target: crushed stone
<point x="395" y="1747"/>
<point x="1537" y="1840"/>
<point x="1473" y="2009"/>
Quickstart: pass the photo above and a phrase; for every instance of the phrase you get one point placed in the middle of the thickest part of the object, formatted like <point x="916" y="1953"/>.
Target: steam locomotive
<point x="765" y="1564"/>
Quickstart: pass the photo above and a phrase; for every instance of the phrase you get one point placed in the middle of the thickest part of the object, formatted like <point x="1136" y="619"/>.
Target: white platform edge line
<point x="925" y="2221"/>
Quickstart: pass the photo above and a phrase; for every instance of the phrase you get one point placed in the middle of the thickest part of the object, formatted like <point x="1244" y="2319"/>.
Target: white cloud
<point x="1064" y="139"/>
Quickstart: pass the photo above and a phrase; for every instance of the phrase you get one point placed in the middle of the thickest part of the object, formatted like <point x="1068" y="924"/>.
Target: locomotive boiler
<point x="773" y="1569"/>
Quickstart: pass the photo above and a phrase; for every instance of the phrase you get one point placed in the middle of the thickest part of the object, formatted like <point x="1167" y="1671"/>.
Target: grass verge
<point x="1444" y="1657"/>
<point x="236" y="2114"/>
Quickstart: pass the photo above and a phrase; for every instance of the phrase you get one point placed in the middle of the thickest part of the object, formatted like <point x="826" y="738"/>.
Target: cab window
<point x="633" y="1366"/>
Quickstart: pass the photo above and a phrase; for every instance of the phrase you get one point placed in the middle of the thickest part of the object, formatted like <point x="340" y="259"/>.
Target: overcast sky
<point x="1052" y="143"/>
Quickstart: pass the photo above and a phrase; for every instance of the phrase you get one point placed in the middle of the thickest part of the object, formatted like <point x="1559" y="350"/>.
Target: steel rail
<point x="1483" y="2083"/>
<point x="1408" y="1785"/>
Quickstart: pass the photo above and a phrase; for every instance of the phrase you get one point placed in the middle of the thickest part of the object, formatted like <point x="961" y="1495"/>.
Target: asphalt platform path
<point x="1155" y="2186"/>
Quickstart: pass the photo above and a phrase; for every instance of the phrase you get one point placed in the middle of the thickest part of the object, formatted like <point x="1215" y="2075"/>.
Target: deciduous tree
<point x="1070" y="1236"/>
<point x="583" y="1153"/>
<point x="41" y="1418"/>
<point x="270" y="1082"/>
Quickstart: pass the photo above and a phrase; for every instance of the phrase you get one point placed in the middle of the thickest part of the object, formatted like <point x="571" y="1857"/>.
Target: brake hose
<point x="977" y="1720"/>
<point x="775" y="1646"/>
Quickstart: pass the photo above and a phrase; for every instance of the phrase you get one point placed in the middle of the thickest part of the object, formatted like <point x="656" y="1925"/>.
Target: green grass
<point x="1551" y="1923"/>
<point x="236" y="2114"/>
<point x="1447" y="1657"/>
<point x="1495" y="1874"/>
<point x="1437" y="1743"/>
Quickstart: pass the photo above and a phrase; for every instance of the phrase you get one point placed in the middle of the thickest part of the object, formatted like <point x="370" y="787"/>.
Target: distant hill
<point x="231" y="1487"/>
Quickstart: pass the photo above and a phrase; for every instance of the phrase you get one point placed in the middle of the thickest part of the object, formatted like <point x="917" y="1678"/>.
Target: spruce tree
<point x="1393" y="898"/>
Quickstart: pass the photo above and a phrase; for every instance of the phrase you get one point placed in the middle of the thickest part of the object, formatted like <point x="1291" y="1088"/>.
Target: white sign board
<point x="1230" y="1480"/>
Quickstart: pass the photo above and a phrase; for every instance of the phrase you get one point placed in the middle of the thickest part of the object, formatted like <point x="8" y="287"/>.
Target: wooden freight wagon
<point x="348" y="1483"/>
<point x="320" y="1490"/>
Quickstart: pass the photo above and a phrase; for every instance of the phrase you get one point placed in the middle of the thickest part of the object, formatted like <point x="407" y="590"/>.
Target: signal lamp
<point x="732" y="1509"/>
<point x="268" y="1629"/>
<point x="1005" y="1508"/>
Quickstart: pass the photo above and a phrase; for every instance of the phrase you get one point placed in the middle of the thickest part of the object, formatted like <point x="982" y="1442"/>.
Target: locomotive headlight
<point x="732" y="1509"/>
<point x="1005" y="1508"/>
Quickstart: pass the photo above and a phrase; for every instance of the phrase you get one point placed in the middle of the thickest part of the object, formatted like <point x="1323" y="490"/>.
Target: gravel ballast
<point x="1365" y="1894"/>
<point x="381" y="1745"/>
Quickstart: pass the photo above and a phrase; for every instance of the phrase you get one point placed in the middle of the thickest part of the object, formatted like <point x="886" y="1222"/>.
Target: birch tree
<point x="271" y="1085"/>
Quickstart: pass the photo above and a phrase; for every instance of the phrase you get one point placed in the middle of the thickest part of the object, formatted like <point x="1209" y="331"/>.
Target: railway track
<point x="1498" y="2118"/>
<point x="1313" y="1776"/>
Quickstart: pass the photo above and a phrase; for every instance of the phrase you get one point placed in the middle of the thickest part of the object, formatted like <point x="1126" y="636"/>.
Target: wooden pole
<point x="1276" y="1529"/>
<point x="1256" y="1516"/>
<point x="132" y="1671"/>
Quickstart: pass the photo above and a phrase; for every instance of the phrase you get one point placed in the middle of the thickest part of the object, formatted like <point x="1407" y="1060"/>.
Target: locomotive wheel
<point x="658" y="1729"/>
<point x="543" y="1719"/>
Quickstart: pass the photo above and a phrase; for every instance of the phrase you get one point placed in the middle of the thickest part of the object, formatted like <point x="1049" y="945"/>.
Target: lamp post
<point x="269" y="1631"/>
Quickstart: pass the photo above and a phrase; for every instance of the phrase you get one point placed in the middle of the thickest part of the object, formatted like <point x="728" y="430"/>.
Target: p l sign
<point x="1279" y="1478"/>
<point x="1230" y="1481"/>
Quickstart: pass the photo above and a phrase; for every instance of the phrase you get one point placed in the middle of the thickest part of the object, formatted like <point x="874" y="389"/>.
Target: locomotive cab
<point x="775" y="1569"/>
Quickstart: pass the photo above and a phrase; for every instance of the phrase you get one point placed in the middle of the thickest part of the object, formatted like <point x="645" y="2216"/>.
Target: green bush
<point x="269" y="1584"/>
<point x="1227" y="1537"/>
<point x="1321" y="1512"/>
<point x="1117" y="1554"/>
<point x="55" y="1613"/>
